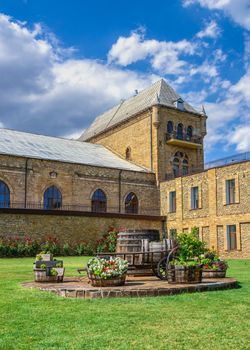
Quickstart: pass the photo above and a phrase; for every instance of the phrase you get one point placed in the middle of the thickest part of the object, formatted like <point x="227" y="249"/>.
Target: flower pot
<point x="184" y="274"/>
<point x="60" y="273"/>
<point x="96" y="281"/>
<point x="41" y="276"/>
<point x="213" y="273"/>
<point x="47" y="257"/>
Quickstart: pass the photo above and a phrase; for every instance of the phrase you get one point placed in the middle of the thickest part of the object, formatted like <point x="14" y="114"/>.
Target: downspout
<point x="120" y="189"/>
<point x="26" y="183"/>
<point x="151" y="144"/>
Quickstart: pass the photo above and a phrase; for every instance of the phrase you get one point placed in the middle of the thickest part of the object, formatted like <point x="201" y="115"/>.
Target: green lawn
<point x="30" y="319"/>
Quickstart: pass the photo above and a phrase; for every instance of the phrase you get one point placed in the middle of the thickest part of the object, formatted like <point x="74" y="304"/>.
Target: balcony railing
<point x="190" y="171"/>
<point x="77" y="208"/>
<point x="175" y="137"/>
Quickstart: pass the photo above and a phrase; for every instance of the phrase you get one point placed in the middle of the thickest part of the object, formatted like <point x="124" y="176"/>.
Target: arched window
<point x="131" y="204"/>
<point x="189" y="132"/>
<point x="128" y="153"/>
<point x="176" y="167"/>
<point x="99" y="201"/>
<point x="52" y="198"/>
<point x="170" y="127"/>
<point x="4" y="195"/>
<point x="180" y="131"/>
<point x="184" y="167"/>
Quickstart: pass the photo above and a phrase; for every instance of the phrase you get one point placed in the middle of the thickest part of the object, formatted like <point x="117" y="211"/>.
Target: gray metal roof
<point x="160" y="93"/>
<point x="27" y="145"/>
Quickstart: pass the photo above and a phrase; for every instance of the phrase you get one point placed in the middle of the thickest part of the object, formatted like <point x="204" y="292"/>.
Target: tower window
<point x="170" y="127"/>
<point x="176" y="167"/>
<point x="189" y="132"/>
<point x="180" y="132"/>
<point x="184" y="167"/>
<point x="128" y="153"/>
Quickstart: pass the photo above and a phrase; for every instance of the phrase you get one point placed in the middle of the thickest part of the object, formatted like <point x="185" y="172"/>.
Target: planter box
<point x="41" y="276"/>
<point x="60" y="273"/>
<point x="213" y="273"/>
<point x="111" y="282"/>
<point x="47" y="257"/>
<point x="184" y="274"/>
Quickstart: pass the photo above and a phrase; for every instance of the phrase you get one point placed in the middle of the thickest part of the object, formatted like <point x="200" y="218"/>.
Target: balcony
<point x="75" y="208"/>
<point x="185" y="141"/>
<point x="181" y="173"/>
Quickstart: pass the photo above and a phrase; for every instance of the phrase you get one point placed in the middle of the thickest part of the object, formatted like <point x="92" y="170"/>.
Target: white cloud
<point x="41" y="88"/>
<point x="240" y="137"/>
<point x="165" y="56"/>
<point x="238" y="10"/>
<point x="212" y="30"/>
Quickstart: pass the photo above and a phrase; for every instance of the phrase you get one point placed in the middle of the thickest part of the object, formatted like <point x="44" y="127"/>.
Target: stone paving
<point x="79" y="287"/>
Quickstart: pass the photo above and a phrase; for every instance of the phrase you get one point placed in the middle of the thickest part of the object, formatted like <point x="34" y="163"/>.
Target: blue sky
<point x="63" y="63"/>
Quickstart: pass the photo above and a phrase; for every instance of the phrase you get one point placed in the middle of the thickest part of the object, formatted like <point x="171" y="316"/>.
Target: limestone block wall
<point x="30" y="178"/>
<point x="135" y="134"/>
<point x="215" y="215"/>
<point x="70" y="227"/>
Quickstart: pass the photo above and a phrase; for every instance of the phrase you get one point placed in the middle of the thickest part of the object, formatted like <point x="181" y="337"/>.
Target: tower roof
<point x="160" y="93"/>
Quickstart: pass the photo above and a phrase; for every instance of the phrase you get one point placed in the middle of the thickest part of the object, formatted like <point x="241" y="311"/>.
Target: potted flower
<point x="213" y="266"/>
<point x="45" y="255"/>
<point x="186" y="267"/>
<point x="107" y="272"/>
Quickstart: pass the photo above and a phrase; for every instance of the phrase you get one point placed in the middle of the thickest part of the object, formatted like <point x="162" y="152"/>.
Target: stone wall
<point x="70" y="227"/>
<point x="77" y="184"/>
<point x="214" y="215"/>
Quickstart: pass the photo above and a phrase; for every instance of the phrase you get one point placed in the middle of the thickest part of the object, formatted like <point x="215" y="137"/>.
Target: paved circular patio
<point x="79" y="287"/>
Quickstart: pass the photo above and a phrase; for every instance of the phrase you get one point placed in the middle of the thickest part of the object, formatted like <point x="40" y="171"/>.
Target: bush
<point x="108" y="242"/>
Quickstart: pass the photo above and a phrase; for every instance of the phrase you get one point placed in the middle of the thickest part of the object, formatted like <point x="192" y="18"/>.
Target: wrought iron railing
<point x="183" y="137"/>
<point x="237" y="158"/>
<point x="77" y="208"/>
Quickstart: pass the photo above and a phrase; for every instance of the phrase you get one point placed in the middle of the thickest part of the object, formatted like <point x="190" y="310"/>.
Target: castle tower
<point x="155" y="129"/>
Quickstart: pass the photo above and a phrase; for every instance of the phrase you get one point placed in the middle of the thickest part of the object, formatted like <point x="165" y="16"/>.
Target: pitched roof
<point x="160" y="93"/>
<point x="28" y="145"/>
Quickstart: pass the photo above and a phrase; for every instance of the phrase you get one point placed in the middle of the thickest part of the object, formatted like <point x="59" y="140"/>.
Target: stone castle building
<point x="139" y="165"/>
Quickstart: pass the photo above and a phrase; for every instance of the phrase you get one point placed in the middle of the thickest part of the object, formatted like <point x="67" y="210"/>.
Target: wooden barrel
<point x="130" y="241"/>
<point x="157" y="246"/>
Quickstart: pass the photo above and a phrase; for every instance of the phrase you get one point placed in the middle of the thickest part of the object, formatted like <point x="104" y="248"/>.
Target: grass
<point x="31" y="319"/>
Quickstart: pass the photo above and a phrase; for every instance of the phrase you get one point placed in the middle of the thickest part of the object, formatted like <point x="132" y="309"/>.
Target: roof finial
<point x="203" y="110"/>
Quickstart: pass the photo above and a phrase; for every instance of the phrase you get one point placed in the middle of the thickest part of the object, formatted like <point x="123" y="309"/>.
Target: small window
<point x="195" y="197"/>
<point x="172" y="202"/>
<point x="172" y="233"/>
<point x="131" y="204"/>
<point x="52" y="198"/>
<point x="180" y="132"/>
<point x="189" y="133"/>
<point x="231" y="237"/>
<point x="170" y="127"/>
<point x="128" y="153"/>
<point x="4" y="195"/>
<point x="99" y="202"/>
<point x="230" y="191"/>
